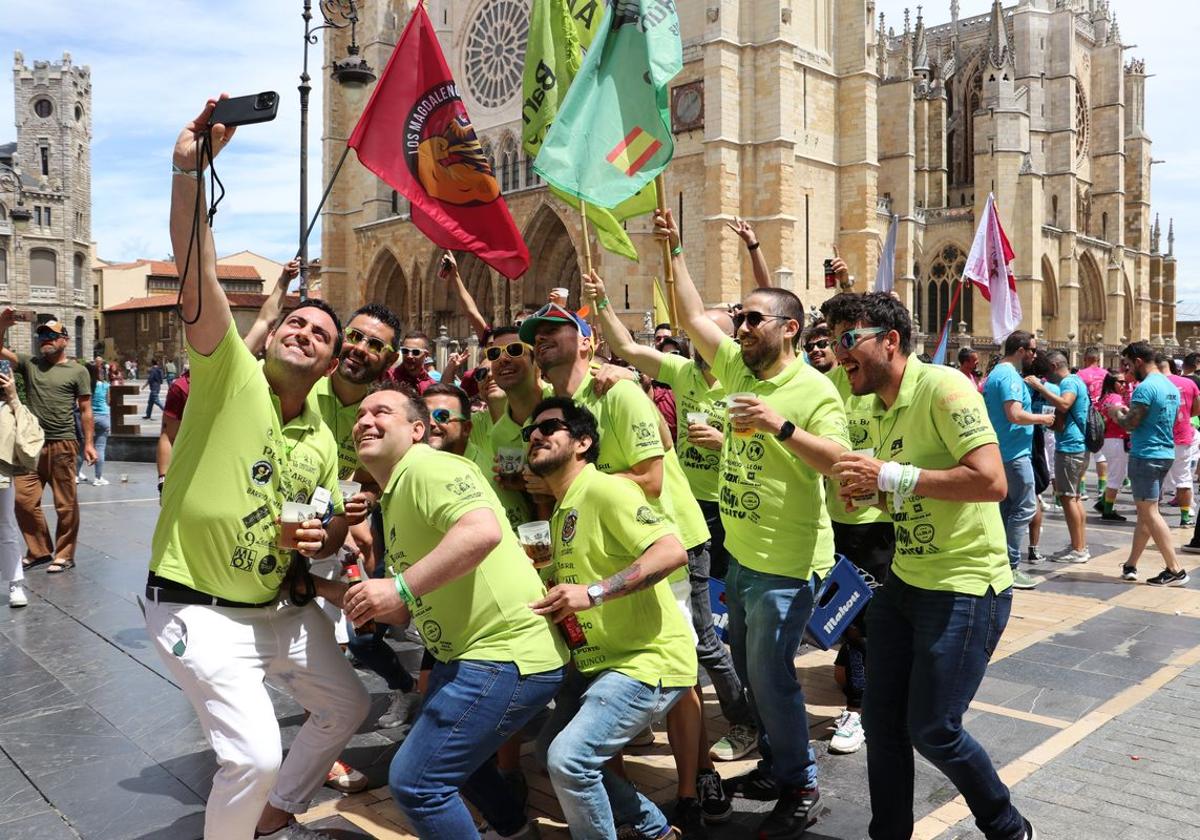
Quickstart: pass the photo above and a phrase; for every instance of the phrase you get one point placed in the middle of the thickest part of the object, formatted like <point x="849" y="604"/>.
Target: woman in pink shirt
<point x="1114" y="390"/>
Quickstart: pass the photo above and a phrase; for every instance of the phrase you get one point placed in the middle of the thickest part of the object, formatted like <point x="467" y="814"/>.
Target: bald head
<point x="722" y="319"/>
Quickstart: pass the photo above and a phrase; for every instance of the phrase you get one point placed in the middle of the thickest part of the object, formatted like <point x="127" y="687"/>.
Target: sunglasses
<point x="851" y="338"/>
<point x="415" y="352"/>
<point x="819" y="344"/>
<point x="545" y="428"/>
<point x="374" y="345"/>
<point x="442" y="416"/>
<point x="515" y="350"/>
<point x="753" y="319"/>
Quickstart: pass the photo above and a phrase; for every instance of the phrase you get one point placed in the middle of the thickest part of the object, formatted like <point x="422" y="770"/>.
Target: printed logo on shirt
<point x="751" y="500"/>
<point x="858" y="435"/>
<point x="261" y="472"/>
<point x="647" y="516"/>
<point x="243" y="559"/>
<point x="644" y="433"/>
<point x="431" y="631"/>
<point x="755" y="451"/>
<point x="461" y="486"/>
<point x="923" y="533"/>
<point x="267" y="565"/>
<point x="568" y="531"/>
<point x="897" y="445"/>
<point x="967" y="418"/>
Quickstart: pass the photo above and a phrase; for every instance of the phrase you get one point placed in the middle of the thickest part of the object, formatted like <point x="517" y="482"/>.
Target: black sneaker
<point x="1030" y="831"/>
<point x="1099" y="506"/>
<point x="1128" y="572"/>
<point x="1168" y="578"/>
<point x="791" y="816"/>
<point x="1113" y="516"/>
<point x="689" y="820"/>
<point x="753" y="785"/>
<point x="713" y="802"/>
<point x="1191" y="548"/>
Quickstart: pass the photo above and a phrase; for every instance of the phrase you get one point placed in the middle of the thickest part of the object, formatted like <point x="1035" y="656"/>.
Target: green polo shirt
<point x="602" y="525"/>
<point x="340" y="418"/>
<point x="693" y="393"/>
<point x="772" y="503"/>
<point x="628" y="424"/>
<point x="233" y="465"/>
<point x="860" y="419"/>
<point x="518" y="509"/>
<point x="938" y="418"/>
<point x="483" y="615"/>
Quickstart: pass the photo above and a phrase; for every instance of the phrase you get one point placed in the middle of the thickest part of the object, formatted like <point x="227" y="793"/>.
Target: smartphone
<point x="6" y="367"/>
<point x="246" y="110"/>
<point x="830" y="276"/>
<point x="24" y="315"/>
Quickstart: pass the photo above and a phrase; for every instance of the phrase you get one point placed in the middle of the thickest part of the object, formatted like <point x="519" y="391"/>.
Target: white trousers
<point x="12" y="544"/>
<point x="221" y="658"/>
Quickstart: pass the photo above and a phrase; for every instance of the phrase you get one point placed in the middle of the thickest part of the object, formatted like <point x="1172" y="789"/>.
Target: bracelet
<point x="187" y="173"/>
<point x="754" y="247"/>
<point x="677" y="250"/>
<point x="403" y="591"/>
<point x="900" y="480"/>
<point x="601" y="304"/>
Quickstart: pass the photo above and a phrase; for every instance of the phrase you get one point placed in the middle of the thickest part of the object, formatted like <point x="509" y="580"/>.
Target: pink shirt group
<point x="1093" y="378"/>
<point x="1184" y="433"/>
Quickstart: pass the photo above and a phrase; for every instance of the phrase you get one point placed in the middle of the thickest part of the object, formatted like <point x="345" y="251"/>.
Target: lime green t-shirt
<point x="232" y="467"/>
<point x="483" y="615"/>
<point x="860" y="415"/>
<point x="629" y="424"/>
<point x="340" y="419"/>
<point x="602" y="525"/>
<point x="693" y="393"/>
<point x="938" y="418"/>
<point x="772" y="503"/>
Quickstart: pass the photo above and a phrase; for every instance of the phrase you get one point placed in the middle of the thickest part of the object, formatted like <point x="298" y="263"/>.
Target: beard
<point x="761" y="355"/>
<point x="362" y="374"/>
<point x="549" y="463"/>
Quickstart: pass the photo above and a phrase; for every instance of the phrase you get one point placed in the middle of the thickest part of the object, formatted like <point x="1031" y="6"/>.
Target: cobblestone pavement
<point x="1090" y="708"/>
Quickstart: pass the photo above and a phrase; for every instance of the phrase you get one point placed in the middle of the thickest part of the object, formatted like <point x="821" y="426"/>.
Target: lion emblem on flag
<point x="449" y="161"/>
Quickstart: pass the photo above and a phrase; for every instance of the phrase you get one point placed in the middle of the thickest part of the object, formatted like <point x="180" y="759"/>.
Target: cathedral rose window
<point x="495" y="52"/>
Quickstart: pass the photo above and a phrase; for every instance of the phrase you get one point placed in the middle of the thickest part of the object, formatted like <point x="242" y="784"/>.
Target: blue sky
<point x="153" y="64"/>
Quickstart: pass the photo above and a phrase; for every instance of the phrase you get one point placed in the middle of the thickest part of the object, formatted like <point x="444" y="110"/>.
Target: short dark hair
<point x="878" y="309"/>
<point x="1191" y="360"/>
<point x="1041" y="365"/>
<point x="965" y="353"/>
<point x="675" y="342"/>
<point x="1092" y="353"/>
<point x="417" y="410"/>
<point x="580" y="422"/>
<point x="1139" y="350"/>
<point x="504" y="329"/>
<point x="1057" y="359"/>
<point x="381" y="314"/>
<point x="317" y="303"/>
<point x="658" y="327"/>
<point x="817" y="330"/>
<point x="1018" y="340"/>
<point x="784" y="303"/>
<point x="417" y="334"/>
<point x="1160" y="358"/>
<point x="445" y="389"/>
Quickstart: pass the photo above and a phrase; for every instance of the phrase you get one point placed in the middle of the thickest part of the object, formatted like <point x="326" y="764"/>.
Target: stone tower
<point x="45" y="190"/>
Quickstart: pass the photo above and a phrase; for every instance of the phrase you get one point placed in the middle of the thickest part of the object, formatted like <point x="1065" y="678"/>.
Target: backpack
<point x="1093" y="429"/>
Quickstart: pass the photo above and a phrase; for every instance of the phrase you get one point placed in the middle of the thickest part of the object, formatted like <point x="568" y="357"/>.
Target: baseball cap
<point x="52" y="326"/>
<point x="552" y="313"/>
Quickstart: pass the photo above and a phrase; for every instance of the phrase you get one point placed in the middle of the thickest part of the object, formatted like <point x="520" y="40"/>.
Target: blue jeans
<point x="767" y="617"/>
<point x="102" y="425"/>
<point x="372" y="650"/>
<point x="710" y="651"/>
<point x="1019" y="506"/>
<point x="470" y="710"/>
<point x="592" y="721"/>
<point x="927" y="656"/>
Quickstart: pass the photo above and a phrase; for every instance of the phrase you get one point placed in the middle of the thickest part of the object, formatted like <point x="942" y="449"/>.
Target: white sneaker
<point x="100" y="482"/>
<point x="399" y="710"/>
<point x="848" y="735"/>
<point x="80" y="479"/>
<point x="16" y="595"/>
<point x="1073" y="556"/>
<point x="740" y="740"/>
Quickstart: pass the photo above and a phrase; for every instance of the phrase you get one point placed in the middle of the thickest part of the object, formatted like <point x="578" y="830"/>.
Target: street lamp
<point x="350" y="72"/>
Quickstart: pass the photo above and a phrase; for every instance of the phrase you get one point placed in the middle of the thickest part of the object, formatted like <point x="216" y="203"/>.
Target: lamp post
<point x="350" y="72"/>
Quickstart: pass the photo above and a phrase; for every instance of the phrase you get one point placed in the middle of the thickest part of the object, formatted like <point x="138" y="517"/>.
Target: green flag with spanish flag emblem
<point x="559" y="32"/>
<point x="612" y="136"/>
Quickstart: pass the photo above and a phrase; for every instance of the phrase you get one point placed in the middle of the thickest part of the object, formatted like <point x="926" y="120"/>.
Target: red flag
<point x="415" y="134"/>
<point x="989" y="267"/>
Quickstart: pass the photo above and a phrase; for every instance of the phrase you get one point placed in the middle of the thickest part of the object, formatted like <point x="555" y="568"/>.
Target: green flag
<point x="559" y="31"/>
<point x="612" y="134"/>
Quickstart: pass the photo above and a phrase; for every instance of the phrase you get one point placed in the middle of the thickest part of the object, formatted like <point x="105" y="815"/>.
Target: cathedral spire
<point x="1155" y="235"/>
<point x="1171" y="239"/>
<point x="920" y="46"/>
<point x="999" y="49"/>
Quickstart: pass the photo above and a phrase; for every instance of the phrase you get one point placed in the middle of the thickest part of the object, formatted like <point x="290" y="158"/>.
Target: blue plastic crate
<point x="720" y="611"/>
<point x="839" y="600"/>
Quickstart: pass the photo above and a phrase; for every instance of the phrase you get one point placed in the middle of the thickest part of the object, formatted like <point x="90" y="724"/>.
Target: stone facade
<point x="46" y="202"/>
<point x="816" y="124"/>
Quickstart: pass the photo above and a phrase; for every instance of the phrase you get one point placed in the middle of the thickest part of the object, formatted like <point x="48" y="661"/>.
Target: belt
<point x="160" y="590"/>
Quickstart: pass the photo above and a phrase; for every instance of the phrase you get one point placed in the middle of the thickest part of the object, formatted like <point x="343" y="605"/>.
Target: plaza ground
<point x="1089" y="706"/>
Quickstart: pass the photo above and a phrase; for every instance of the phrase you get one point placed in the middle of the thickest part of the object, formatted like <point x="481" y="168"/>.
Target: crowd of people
<point x="550" y="521"/>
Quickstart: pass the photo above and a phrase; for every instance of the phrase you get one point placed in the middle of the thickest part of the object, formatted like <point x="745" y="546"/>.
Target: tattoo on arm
<point x="1134" y="417"/>
<point x="628" y="580"/>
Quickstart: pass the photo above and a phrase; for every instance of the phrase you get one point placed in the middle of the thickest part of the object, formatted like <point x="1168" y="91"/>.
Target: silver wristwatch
<point x="596" y="594"/>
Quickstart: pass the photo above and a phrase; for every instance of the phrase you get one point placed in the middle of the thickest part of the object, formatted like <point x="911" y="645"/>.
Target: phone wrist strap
<point x="187" y="173"/>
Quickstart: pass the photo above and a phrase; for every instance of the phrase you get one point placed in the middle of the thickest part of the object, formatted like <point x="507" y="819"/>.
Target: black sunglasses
<point x="753" y="319"/>
<point x="545" y="428"/>
<point x="819" y="344"/>
<point x="516" y="349"/>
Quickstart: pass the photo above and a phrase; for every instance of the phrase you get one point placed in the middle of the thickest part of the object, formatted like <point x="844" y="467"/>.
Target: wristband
<point x="404" y="592"/>
<point x="677" y="250"/>
<point x="187" y="173"/>
<point x="601" y="304"/>
<point x="161" y="480"/>
<point x="900" y="480"/>
<point x="754" y="247"/>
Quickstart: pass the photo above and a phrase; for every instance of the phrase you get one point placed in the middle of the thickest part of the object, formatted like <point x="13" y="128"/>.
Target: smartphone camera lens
<point x="264" y="101"/>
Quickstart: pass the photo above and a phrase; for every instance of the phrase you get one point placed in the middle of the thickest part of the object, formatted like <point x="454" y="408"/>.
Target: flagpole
<point x="587" y="253"/>
<point x="325" y="195"/>
<point x="660" y="187"/>
<point x="950" y="312"/>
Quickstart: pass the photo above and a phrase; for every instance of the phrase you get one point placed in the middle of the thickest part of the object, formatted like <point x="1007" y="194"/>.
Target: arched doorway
<point x="387" y="284"/>
<point x="1049" y="299"/>
<point x="555" y="263"/>
<point x="1092" y="305"/>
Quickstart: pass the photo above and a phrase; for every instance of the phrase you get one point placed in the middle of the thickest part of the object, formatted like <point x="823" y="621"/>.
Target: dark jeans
<point x="717" y="555"/>
<point x="710" y="651"/>
<point x="151" y="401"/>
<point x="869" y="546"/>
<point x="928" y="654"/>
<point x="470" y="710"/>
<point x="372" y="650"/>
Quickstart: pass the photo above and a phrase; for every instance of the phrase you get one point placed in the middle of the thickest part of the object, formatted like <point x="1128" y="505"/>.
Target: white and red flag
<point x="989" y="266"/>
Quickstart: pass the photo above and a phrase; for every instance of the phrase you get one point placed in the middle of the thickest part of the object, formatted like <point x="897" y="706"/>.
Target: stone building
<point x="46" y="202"/>
<point x="816" y="122"/>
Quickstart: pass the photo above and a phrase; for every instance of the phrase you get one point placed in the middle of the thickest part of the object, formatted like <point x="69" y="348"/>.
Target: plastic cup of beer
<point x="293" y="515"/>
<point x="349" y="489"/>
<point x="1047" y="409"/>
<point x="535" y="539"/>
<point x="512" y="461"/>
<point x="736" y="401"/>
<point x="697" y="418"/>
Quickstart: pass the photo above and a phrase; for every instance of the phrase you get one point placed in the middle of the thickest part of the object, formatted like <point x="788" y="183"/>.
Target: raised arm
<point x="8" y="317"/>
<point x="620" y="340"/>
<point x="977" y="477"/>
<point x="705" y="335"/>
<point x="449" y="271"/>
<point x="268" y="314"/>
<point x="205" y="308"/>
<point x="762" y="274"/>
